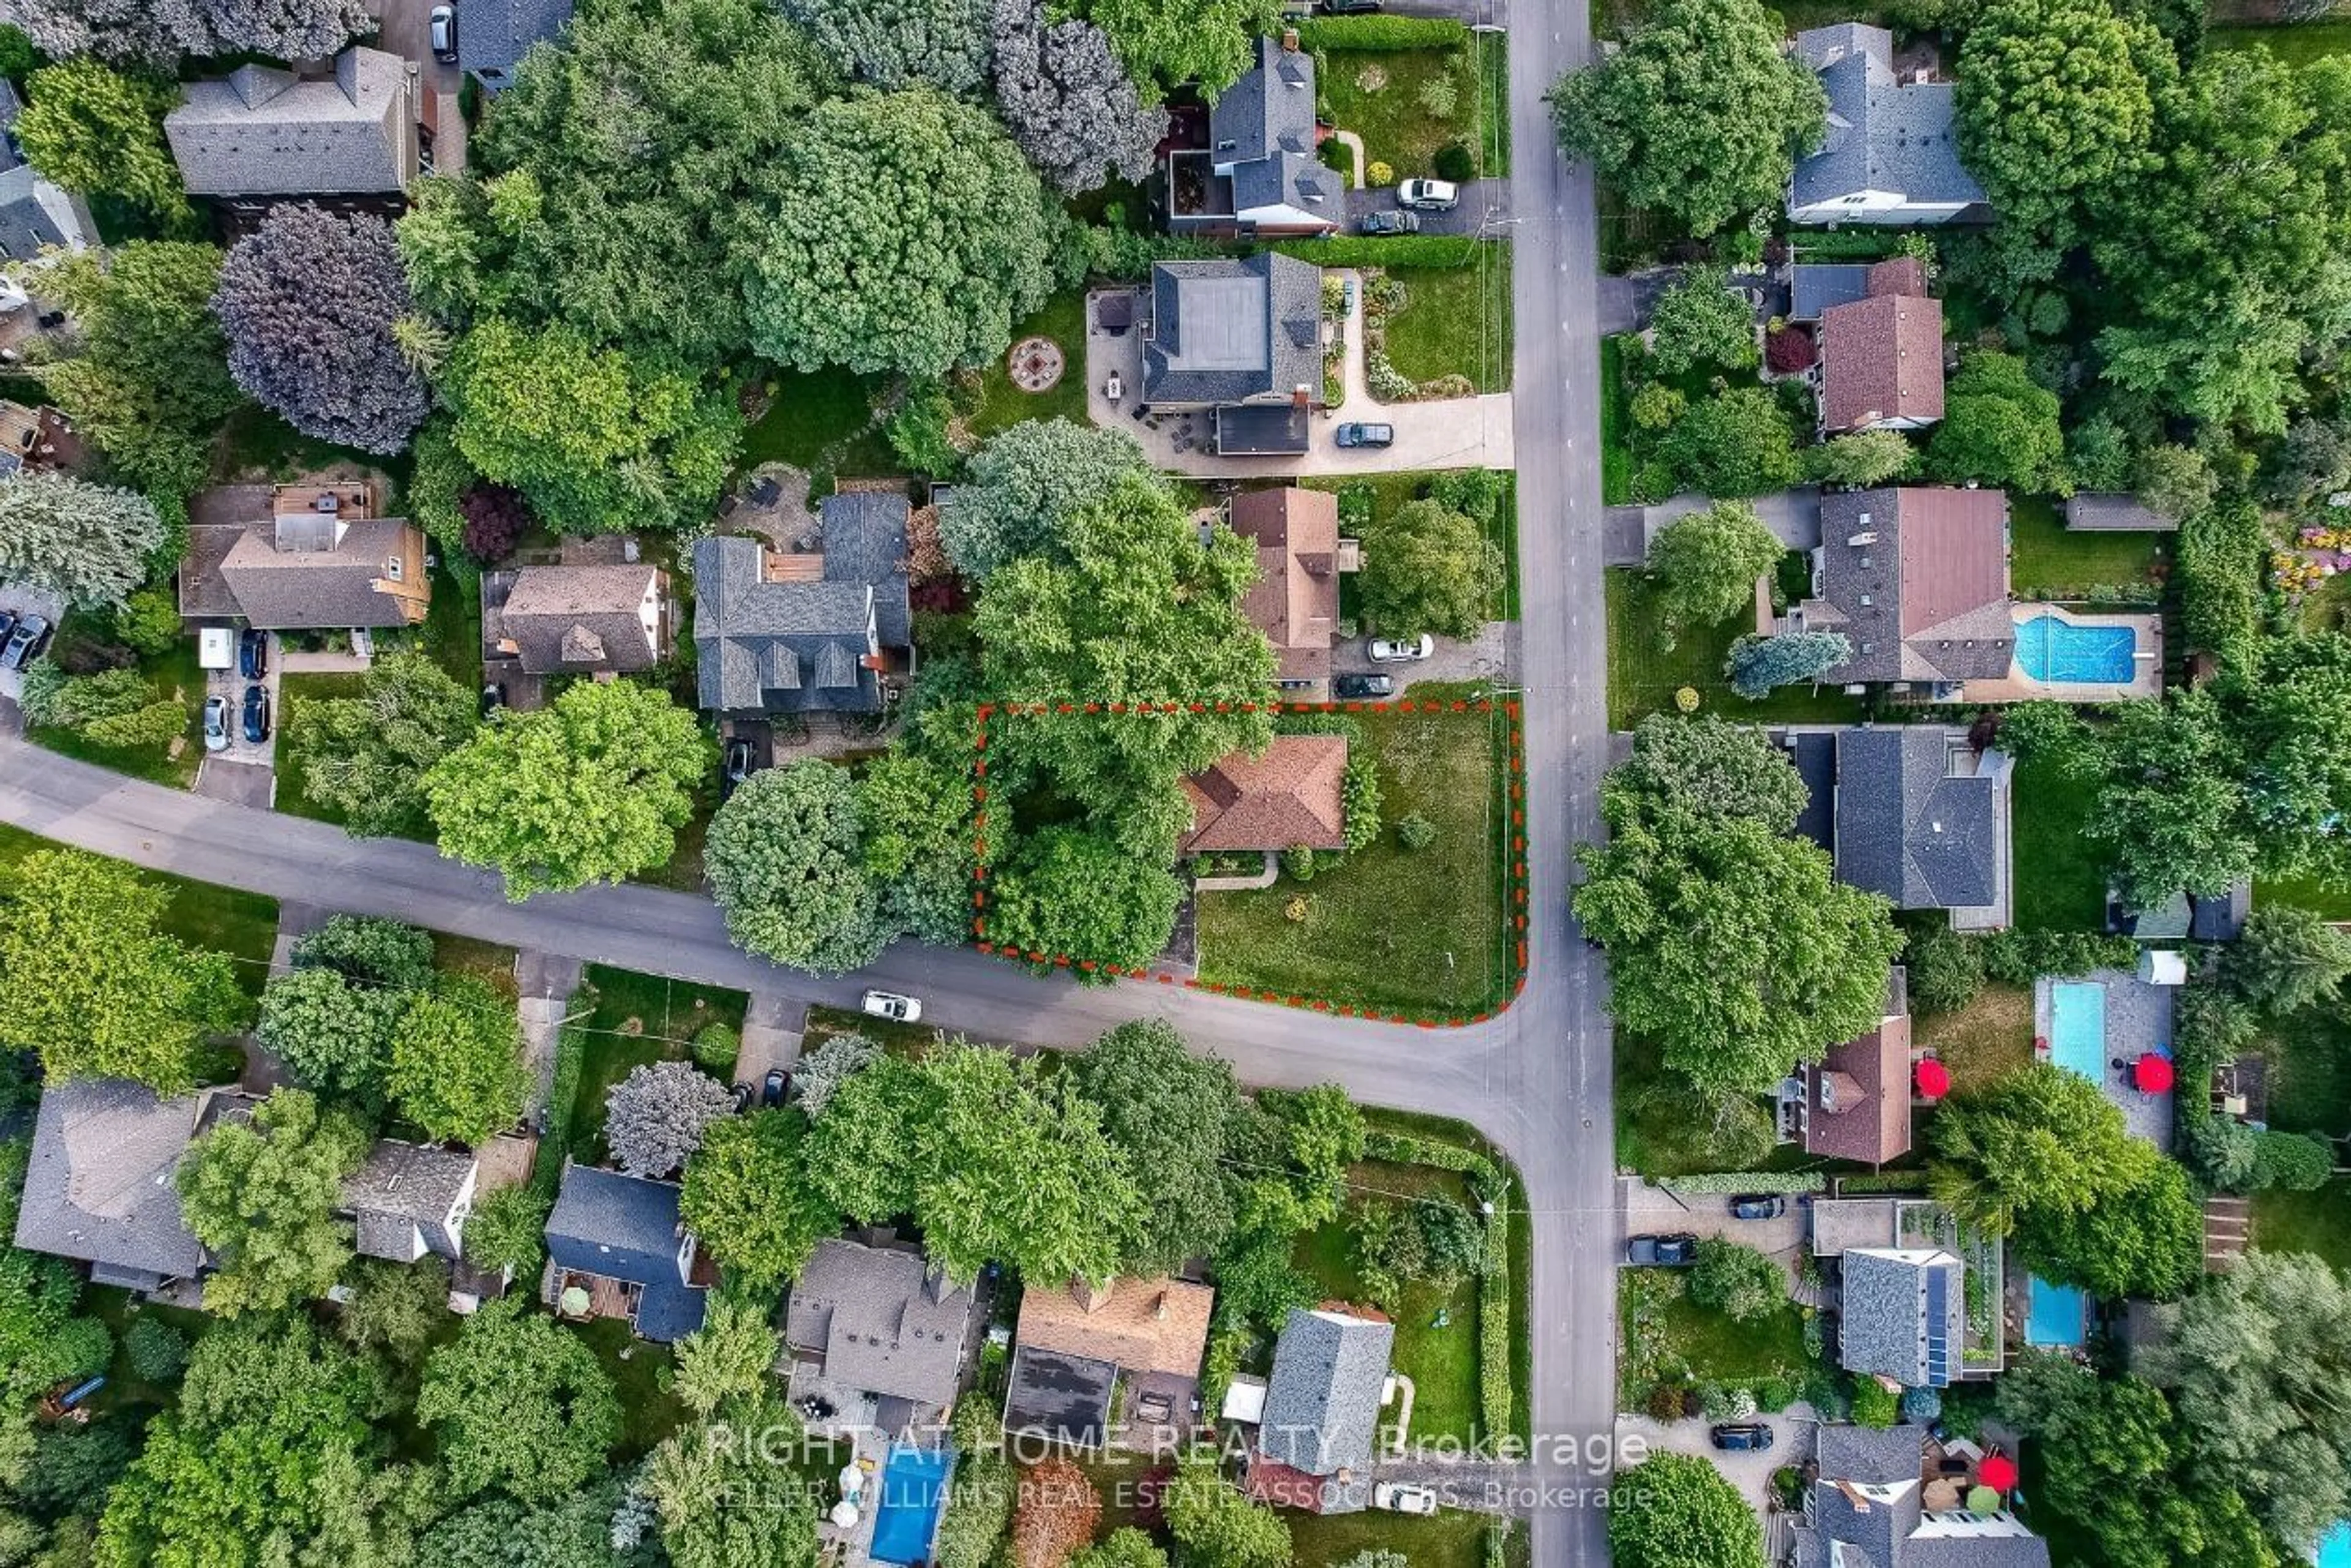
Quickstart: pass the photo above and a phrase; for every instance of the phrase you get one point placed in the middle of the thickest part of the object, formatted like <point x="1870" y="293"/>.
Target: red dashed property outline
<point x="1515" y="762"/>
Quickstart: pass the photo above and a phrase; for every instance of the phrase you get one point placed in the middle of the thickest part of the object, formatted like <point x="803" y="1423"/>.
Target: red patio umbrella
<point x="1934" y="1079"/>
<point x="2152" y="1074"/>
<point x="1998" y="1471"/>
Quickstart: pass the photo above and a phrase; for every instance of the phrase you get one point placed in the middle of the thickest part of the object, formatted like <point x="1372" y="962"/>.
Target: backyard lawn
<point x="2047" y="563"/>
<point x="1388" y="96"/>
<point x="2309" y="1058"/>
<point x="639" y="1370"/>
<point x="2298" y="45"/>
<point x="1451" y="1539"/>
<point x="1455" y="321"/>
<point x="634" y="1020"/>
<point x="2327" y="897"/>
<point x="1989" y="1037"/>
<point x="1671" y="1341"/>
<point x="1001" y="403"/>
<point x="820" y="419"/>
<point x="1415" y="931"/>
<point x="2317" y="1221"/>
<point x="1643" y="676"/>
<point x="2060" y="875"/>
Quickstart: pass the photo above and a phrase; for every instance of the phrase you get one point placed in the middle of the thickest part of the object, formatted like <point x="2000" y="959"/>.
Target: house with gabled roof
<point x="796" y="631"/>
<point x="1240" y="336"/>
<point x="1913" y="812"/>
<point x="1259" y="175"/>
<point x="579" y="620"/>
<point x="409" y="1199"/>
<point x="1902" y="1314"/>
<point x="1075" y="1344"/>
<point x="302" y="558"/>
<point x="880" y="1326"/>
<point x="1295" y="599"/>
<point x="493" y="36"/>
<point x="267" y="133"/>
<point x="1916" y="579"/>
<point x="1320" y="1430"/>
<point x="1890" y="151"/>
<point x="1293" y="794"/>
<point x="1854" y="1102"/>
<point x="1881" y="357"/>
<point x="1870" y="1503"/>
<point x="617" y="1248"/>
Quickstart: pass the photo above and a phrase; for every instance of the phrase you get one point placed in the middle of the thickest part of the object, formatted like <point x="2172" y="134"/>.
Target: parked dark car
<point x="1396" y="222"/>
<point x="494" y="697"/>
<point x="1346" y="7"/>
<point x="1741" y="1438"/>
<point x="772" y="1091"/>
<point x="745" y="1098"/>
<point x="738" y="766"/>
<point x="30" y="637"/>
<point x="1365" y="435"/>
<point x="252" y="653"/>
<point x="1758" y="1205"/>
<point x="1359" y="686"/>
<point x="256" y="714"/>
<point x="7" y="626"/>
<point x="1662" y="1251"/>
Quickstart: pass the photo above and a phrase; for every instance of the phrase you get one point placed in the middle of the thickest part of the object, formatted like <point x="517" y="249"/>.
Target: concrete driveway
<point x="1792" y="516"/>
<point x="1793" y="1432"/>
<point x="244" y="773"/>
<point x="1652" y="1210"/>
<point x="1488" y="656"/>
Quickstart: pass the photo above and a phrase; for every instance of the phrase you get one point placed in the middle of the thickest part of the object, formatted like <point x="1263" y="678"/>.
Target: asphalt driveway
<point x="1793" y="1432"/>
<point x="1652" y="1210"/>
<point x="1484" y="204"/>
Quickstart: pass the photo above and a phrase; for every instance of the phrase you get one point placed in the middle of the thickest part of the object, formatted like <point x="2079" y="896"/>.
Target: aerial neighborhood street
<point x="1175" y="783"/>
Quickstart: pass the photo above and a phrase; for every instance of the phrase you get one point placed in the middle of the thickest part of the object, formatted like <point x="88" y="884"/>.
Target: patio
<point x="2137" y="1022"/>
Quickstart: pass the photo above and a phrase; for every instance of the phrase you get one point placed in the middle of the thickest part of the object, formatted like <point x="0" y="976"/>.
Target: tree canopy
<point x="1215" y="1525"/>
<point x="1999" y="427"/>
<point x="156" y="33"/>
<point x="87" y="544"/>
<point x="1069" y="103"/>
<point x="1704" y="565"/>
<point x="1067" y="893"/>
<point x="261" y="1195"/>
<point x="1429" y="569"/>
<point x="656" y="1117"/>
<point x="2169" y="802"/>
<point x="893" y="44"/>
<point x="455" y="1061"/>
<point x="367" y="756"/>
<point x="587" y="790"/>
<point x="517" y="1403"/>
<point x="1022" y="487"/>
<point x="1678" y="1510"/>
<point x="2146" y="1243"/>
<point x="1167" y="42"/>
<point x="1700" y="321"/>
<point x="100" y="133"/>
<point x="334" y="1034"/>
<point x="1168" y="1112"/>
<point x="2038" y="1139"/>
<point x="784" y="857"/>
<point x="745" y="1196"/>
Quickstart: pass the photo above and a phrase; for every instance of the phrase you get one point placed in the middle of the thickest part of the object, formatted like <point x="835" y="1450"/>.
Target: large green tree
<point x="1700" y="321"/>
<point x="2170" y="806"/>
<point x="1738" y="1280"/>
<point x="591" y="789"/>
<point x="2293" y="721"/>
<point x="915" y="813"/>
<point x="1999" y="427"/>
<point x="1736" y="443"/>
<point x="2040" y="1139"/>
<point x="1168" y="43"/>
<point x="908" y="234"/>
<point x="1068" y="894"/>
<point x="2288" y="958"/>
<point x="1024" y="485"/>
<point x="1701" y="114"/>
<point x="89" y="981"/>
<point x="261" y="1195"/>
<point x="2144" y="1243"/>
<point x="716" y="1490"/>
<point x="1169" y="1110"/>
<point x="1705" y="764"/>
<point x="517" y="1403"/>
<point x="745" y="1196"/>
<point x="90" y="545"/>
<point x="455" y="1061"/>
<point x="1677" y="1511"/>
<point x="366" y="756"/>
<point x="1215" y="1525"/>
<point x="100" y="133"/>
<point x="1704" y="565"/>
<point x="599" y="440"/>
<point x="334" y="1034"/>
<point x="733" y="1354"/>
<point x="1429" y="569"/>
<point x="785" y="860"/>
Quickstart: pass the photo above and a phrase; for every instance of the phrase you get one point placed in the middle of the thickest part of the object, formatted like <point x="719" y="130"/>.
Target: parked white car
<point x="1398" y="1498"/>
<point x="1384" y="652"/>
<point x="1429" y="196"/>
<point x="891" y="1006"/>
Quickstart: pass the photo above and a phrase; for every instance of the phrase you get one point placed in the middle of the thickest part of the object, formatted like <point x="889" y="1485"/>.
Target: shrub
<point x="1380" y="34"/>
<point x="157" y="1352"/>
<point x="1298" y="861"/>
<point x="496" y="517"/>
<point x="2296" y="1161"/>
<point x="1748" y="1181"/>
<point x="1789" y="350"/>
<point x="1873" y="1403"/>
<point x="1736" y="1280"/>
<point x="1359" y="794"/>
<point x="1416" y="832"/>
<point x="1686" y="699"/>
<point x="920" y="433"/>
<point x="1658" y="405"/>
<point x="1377" y="173"/>
<point x="1665" y="1403"/>
<point x="716" y="1046"/>
<point x="1296" y="910"/>
<point x="149" y="621"/>
<point x="1439" y="98"/>
<point x="1947" y="970"/>
<point x="1453" y="160"/>
<point x="2018" y="958"/>
<point x="1921" y="1406"/>
<point x="1475" y="493"/>
<point x="1774" y="1394"/>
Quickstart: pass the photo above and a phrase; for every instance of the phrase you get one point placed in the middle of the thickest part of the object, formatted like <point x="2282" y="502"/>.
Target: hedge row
<point x="1430" y="251"/>
<point x="1487" y="1183"/>
<point x="1747" y="1181"/>
<point x="1340" y="35"/>
<point x="1883" y="1181"/>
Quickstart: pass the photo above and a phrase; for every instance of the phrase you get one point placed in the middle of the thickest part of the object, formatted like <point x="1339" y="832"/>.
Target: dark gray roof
<point x="1872" y="1456"/>
<point x="1902" y="1314"/>
<point x="572" y="619"/>
<point x="866" y="544"/>
<point x="787" y="647"/>
<point x="1270" y="110"/>
<point x="35" y="214"/>
<point x="99" y="1185"/>
<point x="1323" y="1402"/>
<point x="1883" y="134"/>
<point x="1228" y="331"/>
<point x="1909" y="829"/>
<point x="626" y="1227"/>
<point x="1814" y="753"/>
<point x="493" y="36"/>
<point x="263" y="132"/>
<point x="1060" y="1397"/>
<point x="2221" y="917"/>
<point x="300" y="572"/>
<point x="1814" y="288"/>
<point x="884" y="1322"/>
<point x="1868" y="1499"/>
<point x="1289" y="180"/>
<point x="403" y="1196"/>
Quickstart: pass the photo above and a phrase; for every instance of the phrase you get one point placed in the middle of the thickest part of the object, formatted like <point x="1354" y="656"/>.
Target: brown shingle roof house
<point x="1882" y="356"/>
<point x="576" y="619"/>
<point x="1295" y="599"/>
<point x="1917" y="578"/>
<point x="1291" y="795"/>
<point x="310" y="561"/>
<point x="1156" y="1325"/>
<point x="1858" y="1097"/>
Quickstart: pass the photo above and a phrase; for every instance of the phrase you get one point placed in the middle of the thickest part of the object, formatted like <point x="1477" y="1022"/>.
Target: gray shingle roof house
<point x="1923" y="819"/>
<point x="1916" y="579"/>
<point x="1261" y="141"/>
<point x="584" y="620"/>
<point x="1244" y="333"/>
<point x="409" y="1199"/>
<point x="99" y="1185"/>
<point x="493" y="36"/>
<point x="1866" y="1510"/>
<point x="278" y="562"/>
<point x="1892" y="153"/>
<point x="778" y="633"/>
<point x="263" y="132"/>
<point x="1315" y="1444"/>
<point x="1903" y="1314"/>
<point x="618" y="1236"/>
<point x="881" y="1321"/>
<point x="35" y="215"/>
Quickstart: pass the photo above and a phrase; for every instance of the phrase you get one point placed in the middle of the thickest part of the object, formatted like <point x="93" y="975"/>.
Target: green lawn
<point x="1670" y="1341"/>
<point x="173" y="672"/>
<point x="1378" y="95"/>
<point x="2299" y="44"/>
<point x="491" y="963"/>
<point x="294" y="693"/>
<point x="2047" y="563"/>
<point x="648" y="1411"/>
<point x="1615" y="425"/>
<point x="241" y="925"/>
<point x="2309" y="1057"/>
<point x="820" y="419"/>
<point x="1986" y="1040"/>
<point x="253" y="438"/>
<point x="1451" y="1539"/>
<point x="1643" y="676"/>
<point x="1665" y="1127"/>
<point x="634" y="1020"/>
<point x="1419" y="932"/>
<point x="2060" y="875"/>
<point x="2316" y="1222"/>
<point x="1001" y="403"/>
<point x="2329" y="898"/>
<point x="1455" y="321"/>
<point x="1389" y="491"/>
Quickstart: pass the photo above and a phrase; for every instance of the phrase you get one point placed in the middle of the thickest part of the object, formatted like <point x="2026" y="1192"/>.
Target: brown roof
<point x="1291" y="795"/>
<point x="1903" y="274"/>
<point x="1881" y="360"/>
<point x="1136" y="1324"/>
<point x="1857" y="1098"/>
<point x="1295" y="599"/>
<point x="563" y="618"/>
<point x="1954" y="556"/>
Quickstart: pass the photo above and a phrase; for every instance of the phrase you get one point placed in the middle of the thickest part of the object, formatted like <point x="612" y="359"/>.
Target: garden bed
<point x="1667" y="1341"/>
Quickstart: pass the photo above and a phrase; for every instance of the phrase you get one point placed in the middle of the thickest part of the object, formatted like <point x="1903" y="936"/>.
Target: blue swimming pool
<point x="2334" y="1547"/>
<point x="2053" y="650"/>
<point x="913" y="1483"/>
<point x="2078" y="1027"/>
<point x="2057" y="1318"/>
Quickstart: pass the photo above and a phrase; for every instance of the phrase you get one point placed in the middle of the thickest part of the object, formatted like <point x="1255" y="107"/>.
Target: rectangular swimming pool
<point x="2334" y="1547"/>
<point x="2078" y="1027"/>
<point x="2058" y="1316"/>
<point x="2055" y="651"/>
<point x="914" y="1484"/>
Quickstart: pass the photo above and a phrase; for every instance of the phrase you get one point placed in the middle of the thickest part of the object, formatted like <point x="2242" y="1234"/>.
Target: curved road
<point x="1536" y="1078"/>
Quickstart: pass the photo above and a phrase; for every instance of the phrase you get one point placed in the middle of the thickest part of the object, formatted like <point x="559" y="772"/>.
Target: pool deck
<point x="2138" y="1019"/>
<point x="2016" y="686"/>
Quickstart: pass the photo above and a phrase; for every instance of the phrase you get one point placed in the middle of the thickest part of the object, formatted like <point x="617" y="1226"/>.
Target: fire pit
<point x="1035" y="364"/>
